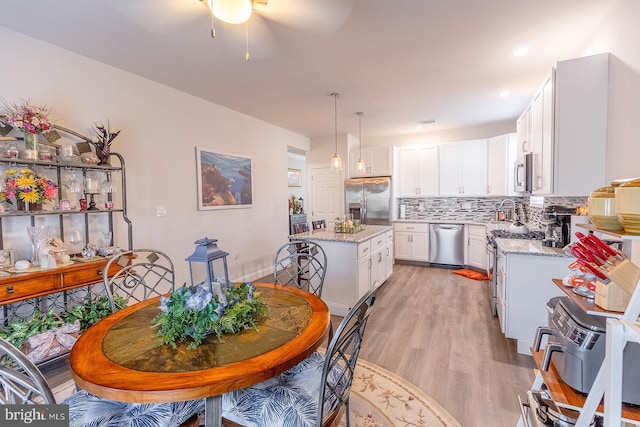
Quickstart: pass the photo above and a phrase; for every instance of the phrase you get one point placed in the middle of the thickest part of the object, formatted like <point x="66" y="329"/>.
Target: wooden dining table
<point x="119" y="358"/>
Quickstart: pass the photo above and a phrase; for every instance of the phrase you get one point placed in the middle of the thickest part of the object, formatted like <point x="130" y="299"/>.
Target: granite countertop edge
<point x="529" y="247"/>
<point x="329" y="235"/>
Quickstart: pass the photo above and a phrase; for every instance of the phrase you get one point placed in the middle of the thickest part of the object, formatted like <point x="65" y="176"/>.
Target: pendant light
<point x="336" y="161"/>
<point x="360" y="163"/>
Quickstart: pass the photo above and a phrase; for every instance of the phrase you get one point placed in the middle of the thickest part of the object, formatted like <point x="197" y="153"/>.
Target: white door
<point x="326" y="194"/>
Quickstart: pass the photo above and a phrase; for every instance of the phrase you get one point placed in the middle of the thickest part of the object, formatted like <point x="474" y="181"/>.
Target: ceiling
<point x="398" y="61"/>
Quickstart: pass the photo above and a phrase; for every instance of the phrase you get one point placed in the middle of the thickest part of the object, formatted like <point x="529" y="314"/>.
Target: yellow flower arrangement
<point x="27" y="186"/>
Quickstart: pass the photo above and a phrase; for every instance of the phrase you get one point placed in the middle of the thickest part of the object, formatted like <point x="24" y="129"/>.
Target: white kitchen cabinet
<point x="542" y="136"/>
<point x="463" y="168"/>
<point x="411" y="241"/>
<point x="416" y="171"/>
<point x="501" y="157"/>
<point x="377" y="161"/>
<point x="388" y="255"/>
<point x="565" y="127"/>
<point x="525" y="285"/>
<point x="476" y="249"/>
<point x="523" y="133"/>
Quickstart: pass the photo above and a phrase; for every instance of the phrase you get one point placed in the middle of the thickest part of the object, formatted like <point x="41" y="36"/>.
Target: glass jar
<point x="45" y="153"/>
<point x="11" y="151"/>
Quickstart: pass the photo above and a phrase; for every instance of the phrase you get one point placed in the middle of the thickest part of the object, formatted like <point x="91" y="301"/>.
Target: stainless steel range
<point x="492" y="251"/>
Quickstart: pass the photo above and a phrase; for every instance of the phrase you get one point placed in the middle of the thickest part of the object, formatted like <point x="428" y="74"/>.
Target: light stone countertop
<point x="330" y="236"/>
<point x="529" y="247"/>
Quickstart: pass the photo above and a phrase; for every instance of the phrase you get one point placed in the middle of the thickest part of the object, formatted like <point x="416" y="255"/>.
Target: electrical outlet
<point x="161" y="210"/>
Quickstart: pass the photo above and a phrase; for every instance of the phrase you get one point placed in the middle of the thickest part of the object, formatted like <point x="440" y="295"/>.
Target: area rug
<point x="379" y="398"/>
<point x="475" y="275"/>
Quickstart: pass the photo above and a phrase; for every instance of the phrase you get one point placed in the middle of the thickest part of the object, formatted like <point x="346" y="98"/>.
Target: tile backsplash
<point x="481" y="209"/>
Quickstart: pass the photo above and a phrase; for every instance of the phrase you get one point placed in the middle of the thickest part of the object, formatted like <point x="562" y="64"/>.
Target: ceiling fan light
<point x="231" y="11"/>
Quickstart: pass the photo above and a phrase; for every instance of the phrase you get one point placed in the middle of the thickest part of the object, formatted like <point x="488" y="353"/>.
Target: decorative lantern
<point x="202" y="264"/>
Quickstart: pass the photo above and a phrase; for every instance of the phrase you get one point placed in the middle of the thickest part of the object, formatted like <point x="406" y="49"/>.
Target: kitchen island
<point x="356" y="262"/>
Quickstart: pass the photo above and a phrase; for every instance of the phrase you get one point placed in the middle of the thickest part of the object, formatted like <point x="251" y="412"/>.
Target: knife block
<point x="626" y="275"/>
<point x="611" y="296"/>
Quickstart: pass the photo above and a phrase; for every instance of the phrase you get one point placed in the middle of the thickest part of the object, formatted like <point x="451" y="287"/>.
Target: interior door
<point x="326" y="194"/>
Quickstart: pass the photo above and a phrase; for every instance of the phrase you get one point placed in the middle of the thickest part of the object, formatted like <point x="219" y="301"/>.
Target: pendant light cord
<point x="335" y="117"/>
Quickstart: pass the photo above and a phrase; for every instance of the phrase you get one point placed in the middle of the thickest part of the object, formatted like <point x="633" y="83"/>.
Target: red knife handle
<point x="593" y="269"/>
<point x="602" y="245"/>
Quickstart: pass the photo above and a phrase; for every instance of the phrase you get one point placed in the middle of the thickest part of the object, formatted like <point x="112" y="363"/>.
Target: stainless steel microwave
<point x="523" y="174"/>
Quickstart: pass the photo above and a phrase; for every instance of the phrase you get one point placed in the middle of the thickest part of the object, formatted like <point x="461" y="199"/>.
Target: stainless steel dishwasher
<point x="446" y="244"/>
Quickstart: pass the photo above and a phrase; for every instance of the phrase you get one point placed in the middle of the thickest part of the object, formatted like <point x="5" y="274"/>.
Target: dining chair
<point x="314" y="392"/>
<point x="301" y="263"/>
<point x="302" y="227"/>
<point x="22" y="383"/>
<point x="319" y="224"/>
<point x="141" y="274"/>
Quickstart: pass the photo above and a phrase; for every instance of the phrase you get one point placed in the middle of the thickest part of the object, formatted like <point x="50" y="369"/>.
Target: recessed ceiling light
<point x="425" y="122"/>
<point x="521" y="51"/>
<point x="505" y="93"/>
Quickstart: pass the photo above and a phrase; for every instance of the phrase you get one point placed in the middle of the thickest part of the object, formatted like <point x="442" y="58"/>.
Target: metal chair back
<point x="302" y="264"/>
<point x="141" y="274"/>
<point x="21" y="382"/>
<point x="340" y="361"/>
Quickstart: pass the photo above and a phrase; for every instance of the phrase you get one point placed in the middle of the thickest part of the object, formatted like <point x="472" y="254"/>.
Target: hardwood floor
<point x="435" y="329"/>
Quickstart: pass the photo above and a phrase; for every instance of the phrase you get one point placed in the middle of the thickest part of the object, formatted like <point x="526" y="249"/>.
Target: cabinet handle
<point x="380" y="257"/>
<point x="370" y="264"/>
<point x="410" y="228"/>
<point x="379" y="241"/>
<point x="10" y="289"/>
<point x="99" y="272"/>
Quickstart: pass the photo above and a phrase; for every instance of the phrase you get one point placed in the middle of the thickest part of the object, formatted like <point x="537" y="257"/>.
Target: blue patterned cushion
<point x="87" y="410"/>
<point x="290" y="399"/>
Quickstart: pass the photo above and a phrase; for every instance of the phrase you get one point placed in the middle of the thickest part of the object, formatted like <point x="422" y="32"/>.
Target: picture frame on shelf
<point x="294" y="177"/>
<point x="225" y="180"/>
<point x="6" y="259"/>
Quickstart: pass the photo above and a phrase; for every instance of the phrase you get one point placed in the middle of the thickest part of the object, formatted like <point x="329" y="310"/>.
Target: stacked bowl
<point x="601" y="207"/>
<point x="628" y="205"/>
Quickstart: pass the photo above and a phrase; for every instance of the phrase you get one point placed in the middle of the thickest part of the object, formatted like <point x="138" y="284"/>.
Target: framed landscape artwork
<point x="224" y="180"/>
<point x="295" y="177"/>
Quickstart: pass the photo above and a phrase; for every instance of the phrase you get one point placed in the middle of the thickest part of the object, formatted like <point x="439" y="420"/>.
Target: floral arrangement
<point x="295" y="205"/>
<point x="27" y="186"/>
<point x="193" y="312"/>
<point x="27" y="117"/>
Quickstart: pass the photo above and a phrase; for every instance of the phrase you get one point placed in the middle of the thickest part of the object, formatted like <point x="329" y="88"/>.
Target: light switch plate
<point x="161" y="210"/>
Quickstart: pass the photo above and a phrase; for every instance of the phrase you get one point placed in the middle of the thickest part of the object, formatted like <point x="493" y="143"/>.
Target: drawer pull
<point x="10" y="289"/>
<point x="99" y="272"/>
<point x="365" y="250"/>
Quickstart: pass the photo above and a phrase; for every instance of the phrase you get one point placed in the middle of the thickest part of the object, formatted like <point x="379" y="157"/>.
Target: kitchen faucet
<point x="513" y="208"/>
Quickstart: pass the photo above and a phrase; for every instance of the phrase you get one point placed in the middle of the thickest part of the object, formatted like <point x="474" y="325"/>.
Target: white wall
<point x="619" y="34"/>
<point x="160" y="129"/>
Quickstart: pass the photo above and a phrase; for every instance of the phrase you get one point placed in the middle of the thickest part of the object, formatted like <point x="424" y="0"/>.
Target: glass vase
<point x="30" y="146"/>
<point x="39" y="236"/>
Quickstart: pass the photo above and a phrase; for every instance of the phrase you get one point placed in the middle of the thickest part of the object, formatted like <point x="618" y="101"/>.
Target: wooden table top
<point x="118" y="358"/>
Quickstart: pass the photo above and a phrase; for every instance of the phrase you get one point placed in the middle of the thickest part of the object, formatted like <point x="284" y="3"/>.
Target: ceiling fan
<point x="310" y="16"/>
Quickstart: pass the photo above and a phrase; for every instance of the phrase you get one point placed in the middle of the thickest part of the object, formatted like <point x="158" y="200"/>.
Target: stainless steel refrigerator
<point x="369" y="199"/>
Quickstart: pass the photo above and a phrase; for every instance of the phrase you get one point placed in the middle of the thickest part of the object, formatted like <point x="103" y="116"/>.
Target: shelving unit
<point x="621" y="328"/>
<point x="23" y="294"/>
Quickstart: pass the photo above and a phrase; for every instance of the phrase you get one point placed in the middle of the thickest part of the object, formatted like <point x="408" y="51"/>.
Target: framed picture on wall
<point x="295" y="177"/>
<point x="225" y="180"/>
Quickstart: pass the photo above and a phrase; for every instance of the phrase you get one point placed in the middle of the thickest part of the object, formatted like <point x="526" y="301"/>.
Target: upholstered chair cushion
<point x="290" y="399"/>
<point x="88" y="410"/>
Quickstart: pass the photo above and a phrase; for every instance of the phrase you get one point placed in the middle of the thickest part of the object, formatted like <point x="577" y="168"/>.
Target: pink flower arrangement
<point x="28" y="186"/>
<point x="27" y="117"/>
